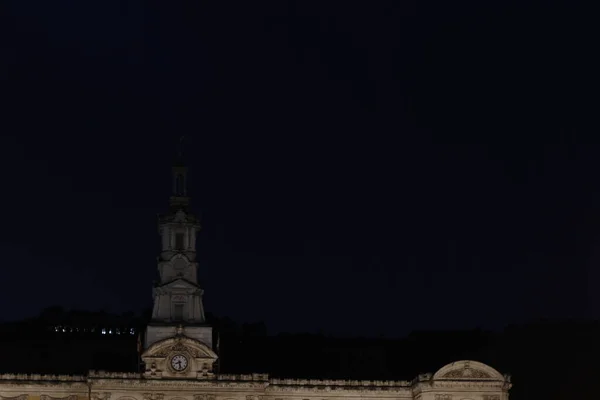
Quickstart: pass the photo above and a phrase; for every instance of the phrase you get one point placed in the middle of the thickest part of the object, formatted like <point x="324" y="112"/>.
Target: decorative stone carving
<point x="204" y="397"/>
<point x="100" y="396"/>
<point x="467" y="372"/>
<point x="255" y="386"/>
<point x="46" y="397"/>
<point x="43" y="377"/>
<point x="153" y="396"/>
<point x="179" y="345"/>
<point x="20" y="397"/>
<point x="153" y="369"/>
<point x="114" y="375"/>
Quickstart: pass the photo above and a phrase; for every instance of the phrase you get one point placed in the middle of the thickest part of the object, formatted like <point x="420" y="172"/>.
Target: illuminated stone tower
<point x="177" y="295"/>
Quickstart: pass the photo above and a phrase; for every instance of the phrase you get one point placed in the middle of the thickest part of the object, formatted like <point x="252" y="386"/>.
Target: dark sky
<point x="360" y="167"/>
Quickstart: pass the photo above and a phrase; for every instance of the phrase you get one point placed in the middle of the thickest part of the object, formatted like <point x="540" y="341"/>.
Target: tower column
<point x="165" y="238"/>
<point x="155" y="309"/>
<point x="178" y="296"/>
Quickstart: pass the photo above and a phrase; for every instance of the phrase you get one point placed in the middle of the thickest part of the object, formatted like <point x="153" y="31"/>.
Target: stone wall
<point x="457" y="381"/>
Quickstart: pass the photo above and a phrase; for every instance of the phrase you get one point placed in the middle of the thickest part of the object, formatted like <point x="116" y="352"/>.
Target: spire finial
<point x="179" y="158"/>
<point x="181" y="138"/>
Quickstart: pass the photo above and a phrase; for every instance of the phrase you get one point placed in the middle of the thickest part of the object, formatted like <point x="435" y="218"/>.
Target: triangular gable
<point x="180" y="283"/>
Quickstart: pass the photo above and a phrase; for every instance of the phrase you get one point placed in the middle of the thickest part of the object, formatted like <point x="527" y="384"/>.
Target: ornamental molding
<point x="463" y="375"/>
<point x="153" y="396"/>
<point x="114" y="375"/>
<point x="469" y="384"/>
<point x="175" y="384"/>
<point x="467" y="373"/>
<point x="100" y="396"/>
<point x="179" y="343"/>
<point x="205" y="397"/>
<point x="42" y="377"/>
<point x="19" y="397"/>
<point x="468" y="370"/>
<point x="340" y="383"/>
<point x="244" y="377"/>
<point x="338" y="389"/>
<point x="54" y="386"/>
<point x="46" y="397"/>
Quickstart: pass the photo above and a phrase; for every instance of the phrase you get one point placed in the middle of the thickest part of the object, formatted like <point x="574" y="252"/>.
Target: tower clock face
<point x="179" y="362"/>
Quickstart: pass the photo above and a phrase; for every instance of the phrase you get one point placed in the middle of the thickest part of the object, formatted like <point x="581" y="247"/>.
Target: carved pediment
<point x="181" y="284"/>
<point x="180" y="343"/>
<point x="467" y="373"/>
<point x="468" y="370"/>
<point x="179" y="347"/>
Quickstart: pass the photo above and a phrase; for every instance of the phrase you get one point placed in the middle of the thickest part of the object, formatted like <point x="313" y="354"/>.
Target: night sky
<point x="361" y="168"/>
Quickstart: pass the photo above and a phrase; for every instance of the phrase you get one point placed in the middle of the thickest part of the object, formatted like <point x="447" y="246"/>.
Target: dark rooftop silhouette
<point x="562" y="353"/>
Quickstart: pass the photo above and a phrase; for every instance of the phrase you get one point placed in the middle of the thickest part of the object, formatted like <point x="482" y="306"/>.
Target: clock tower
<point x="178" y="342"/>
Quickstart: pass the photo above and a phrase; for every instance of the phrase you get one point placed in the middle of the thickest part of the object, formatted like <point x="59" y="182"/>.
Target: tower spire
<point x="179" y="197"/>
<point x="178" y="296"/>
<point x="179" y="159"/>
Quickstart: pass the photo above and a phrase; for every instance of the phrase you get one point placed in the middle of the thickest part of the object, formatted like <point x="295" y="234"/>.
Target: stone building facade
<point x="179" y="360"/>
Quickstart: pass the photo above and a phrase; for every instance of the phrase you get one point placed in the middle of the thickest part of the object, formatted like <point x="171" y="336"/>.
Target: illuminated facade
<point x="179" y="358"/>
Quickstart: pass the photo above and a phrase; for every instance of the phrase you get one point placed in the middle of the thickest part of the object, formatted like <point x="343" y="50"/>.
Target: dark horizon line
<point x="239" y="326"/>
